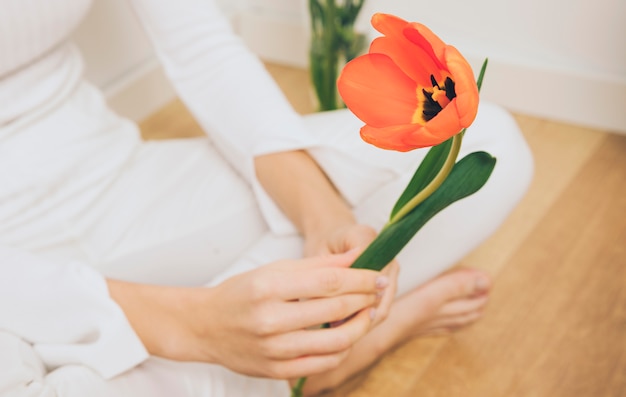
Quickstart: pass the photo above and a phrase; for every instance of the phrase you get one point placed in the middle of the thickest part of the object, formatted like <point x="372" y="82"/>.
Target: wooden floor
<point x="556" y="325"/>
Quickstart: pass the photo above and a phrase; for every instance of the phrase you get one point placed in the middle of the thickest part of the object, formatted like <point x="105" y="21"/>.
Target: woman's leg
<point x="178" y="214"/>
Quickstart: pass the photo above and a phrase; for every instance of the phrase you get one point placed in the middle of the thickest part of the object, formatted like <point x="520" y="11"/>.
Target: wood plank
<point x="394" y="374"/>
<point x="559" y="151"/>
<point x="172" y="121"/>
<point x="557" y="323"/>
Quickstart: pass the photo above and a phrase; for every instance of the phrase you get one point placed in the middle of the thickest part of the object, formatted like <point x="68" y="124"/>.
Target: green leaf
<point x="481" y="75"/>
<point x="427" y="170"/>
<point x="466" y="178"/>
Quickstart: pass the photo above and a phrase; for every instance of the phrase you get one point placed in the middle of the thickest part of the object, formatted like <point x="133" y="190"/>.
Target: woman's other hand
<point x="263" y="322"/>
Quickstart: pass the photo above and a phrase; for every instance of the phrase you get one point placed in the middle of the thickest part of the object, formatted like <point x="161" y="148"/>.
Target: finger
<point x="329" y="282"/>
<point x="319" y="341"/>
<point x="455" y="322"/>
<point x="315" y="312"/>
<point x="299" y="315"/>
<point x="462" y="306"/>
<point x="305" y="366"/>
<point x="390" y="267"/>
<point x="392" y="270"/>
<point x="388" y="295"/>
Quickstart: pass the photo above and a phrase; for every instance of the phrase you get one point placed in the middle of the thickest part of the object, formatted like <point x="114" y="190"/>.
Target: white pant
<point x="370" y="178"/>
<point x="175" y="212"/>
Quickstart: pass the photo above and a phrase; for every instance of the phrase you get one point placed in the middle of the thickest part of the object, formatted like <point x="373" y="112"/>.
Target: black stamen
<point x="434" y="82"/>
<point x="450" y="93"/>
<point x="431" y="107"/>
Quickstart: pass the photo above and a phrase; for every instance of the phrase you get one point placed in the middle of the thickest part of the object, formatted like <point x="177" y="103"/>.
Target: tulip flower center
<point x="431" y="100"/>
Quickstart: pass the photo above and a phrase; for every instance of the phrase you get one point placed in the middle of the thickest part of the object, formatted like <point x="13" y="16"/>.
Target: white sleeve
<point x="65" y="312"/>
<point x="225" y="86"/>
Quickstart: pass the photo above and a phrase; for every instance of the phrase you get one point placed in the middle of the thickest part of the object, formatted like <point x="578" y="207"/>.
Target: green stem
<point x="434" y="184"/>
<point x="333" y="43"/>
<point x="296" y="391"/>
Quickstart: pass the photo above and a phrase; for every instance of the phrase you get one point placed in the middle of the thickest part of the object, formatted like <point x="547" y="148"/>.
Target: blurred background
<point x="563" y="60"/>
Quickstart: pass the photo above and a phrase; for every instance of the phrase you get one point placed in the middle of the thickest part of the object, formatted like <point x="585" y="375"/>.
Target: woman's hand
<point x="350" y="236"/>
<point x="257" y="323"/>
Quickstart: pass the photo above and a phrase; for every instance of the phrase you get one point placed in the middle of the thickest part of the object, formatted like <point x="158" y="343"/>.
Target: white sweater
<point x="213" y="73"/>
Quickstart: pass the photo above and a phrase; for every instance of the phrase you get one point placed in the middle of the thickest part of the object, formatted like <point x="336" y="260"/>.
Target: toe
<point x="482" y="283"/>
<point x="461" y="284"/>
<point x="464" y="306"/>
<point x="453" y="323"/>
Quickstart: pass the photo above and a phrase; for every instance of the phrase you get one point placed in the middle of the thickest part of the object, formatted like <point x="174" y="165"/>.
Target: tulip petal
<point x="434" y="42"/>
<point x="446" y="124"/>
<point x="412" y="59"/>
<point x="435" y="49"/>
<point x="412" y="90"/>
<point x="467" y="97"/>
<point x="377" y="91"/>
<point x="389" y="25"/>
<point x="402" y="138"/>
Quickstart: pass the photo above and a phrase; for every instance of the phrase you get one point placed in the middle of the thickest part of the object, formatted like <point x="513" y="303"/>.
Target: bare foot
<point x="451" y="301"/>
<point x="444" y="304"/>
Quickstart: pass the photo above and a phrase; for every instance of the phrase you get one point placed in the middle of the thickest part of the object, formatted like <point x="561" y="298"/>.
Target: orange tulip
<point x="412" y="90"/>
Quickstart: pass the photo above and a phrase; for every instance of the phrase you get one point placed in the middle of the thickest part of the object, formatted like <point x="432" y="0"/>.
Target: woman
<point x="174" y="268"/>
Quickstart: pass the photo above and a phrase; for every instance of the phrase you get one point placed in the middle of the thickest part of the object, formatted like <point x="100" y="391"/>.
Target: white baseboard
<point x="584" y="99"/>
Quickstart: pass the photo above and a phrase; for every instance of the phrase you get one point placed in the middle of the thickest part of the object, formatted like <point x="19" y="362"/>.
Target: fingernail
<point x="382" y="281"/>
<point x="372" y="314"/>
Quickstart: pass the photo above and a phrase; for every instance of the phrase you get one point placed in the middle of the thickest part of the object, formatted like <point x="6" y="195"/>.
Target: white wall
<point x="561" y="59"/>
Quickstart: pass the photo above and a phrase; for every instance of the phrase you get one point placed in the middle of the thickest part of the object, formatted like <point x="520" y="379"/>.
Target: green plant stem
<point x="333" y="43"/>
<point x="296" y="391"/>
<point x="434" y="184"/>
